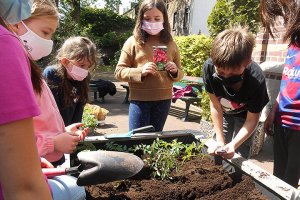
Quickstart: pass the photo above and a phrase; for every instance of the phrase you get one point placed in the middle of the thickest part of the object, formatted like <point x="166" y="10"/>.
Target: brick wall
<point x="269" y="49"/>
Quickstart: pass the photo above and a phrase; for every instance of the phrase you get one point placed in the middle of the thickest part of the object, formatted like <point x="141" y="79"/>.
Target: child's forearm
<point x="247" y="129"/>
<point x="217" y="118"/>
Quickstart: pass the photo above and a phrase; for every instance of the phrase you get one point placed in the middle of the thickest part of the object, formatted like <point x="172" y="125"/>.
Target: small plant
<point x="162" y="157"/>
<point x="89" y="119"/>
<point x="116" y="147"/>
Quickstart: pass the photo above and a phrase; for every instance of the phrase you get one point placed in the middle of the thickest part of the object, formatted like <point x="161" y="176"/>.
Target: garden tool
<point x="144" y="129"/>
<point x="98" y="167"/>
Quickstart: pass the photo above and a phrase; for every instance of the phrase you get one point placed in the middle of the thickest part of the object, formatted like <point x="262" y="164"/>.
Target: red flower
<point x="159" y="55"/>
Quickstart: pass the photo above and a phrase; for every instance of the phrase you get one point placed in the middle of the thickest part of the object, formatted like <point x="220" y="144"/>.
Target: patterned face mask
<point x="35" y="45"/>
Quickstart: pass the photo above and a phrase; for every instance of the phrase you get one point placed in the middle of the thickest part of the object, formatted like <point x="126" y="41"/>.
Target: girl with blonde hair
<point x="69" y="78"/>
<point x="52" y="137"/>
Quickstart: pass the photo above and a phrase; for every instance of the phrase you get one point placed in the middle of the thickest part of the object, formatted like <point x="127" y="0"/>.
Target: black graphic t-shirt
<point x="251" y="97"/>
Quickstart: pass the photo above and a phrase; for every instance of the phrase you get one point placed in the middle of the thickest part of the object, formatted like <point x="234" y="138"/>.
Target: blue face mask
<point x="14" y="11"/>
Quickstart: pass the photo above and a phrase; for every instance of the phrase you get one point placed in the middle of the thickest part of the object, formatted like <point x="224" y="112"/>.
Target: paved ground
<point x="117" y="119"/>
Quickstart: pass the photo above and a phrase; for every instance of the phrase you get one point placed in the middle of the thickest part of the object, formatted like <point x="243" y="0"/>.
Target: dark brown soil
<point x="196" y="179"/>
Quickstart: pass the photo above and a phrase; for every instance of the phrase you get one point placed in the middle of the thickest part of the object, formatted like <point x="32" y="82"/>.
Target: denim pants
<point x="65" y="188"/>
<point x="287" y="154"/>
<point x="144" y="113"/>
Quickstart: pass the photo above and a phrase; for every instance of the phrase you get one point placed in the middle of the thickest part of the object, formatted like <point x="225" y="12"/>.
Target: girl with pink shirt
<point x="52" y="137"/>
<point x="20" y="169"/>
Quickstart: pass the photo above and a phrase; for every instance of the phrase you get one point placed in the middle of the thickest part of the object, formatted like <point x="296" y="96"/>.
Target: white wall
<point x="200" y="10"/>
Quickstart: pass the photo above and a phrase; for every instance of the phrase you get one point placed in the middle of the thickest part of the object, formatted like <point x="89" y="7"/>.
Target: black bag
<point x="105" y="87"/>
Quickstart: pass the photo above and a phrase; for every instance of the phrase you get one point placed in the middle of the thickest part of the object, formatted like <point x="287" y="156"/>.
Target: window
<point x="186" y="18"/>
<point x="175" y="21"/>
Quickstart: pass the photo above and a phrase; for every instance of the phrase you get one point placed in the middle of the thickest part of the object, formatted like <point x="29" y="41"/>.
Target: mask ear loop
<point x="27" y="48"/>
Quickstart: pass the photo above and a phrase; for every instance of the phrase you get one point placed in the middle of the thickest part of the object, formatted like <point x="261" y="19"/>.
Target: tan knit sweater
<point x="129" y="68"/>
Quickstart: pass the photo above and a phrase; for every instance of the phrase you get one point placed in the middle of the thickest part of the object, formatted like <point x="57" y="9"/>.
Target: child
<point x="237" y="91"/>
<point x="18" y="153"/>
<point x="52" y="138"/>
<point x="69" y="79"/>
<point x="285" y="113"/>
<point x="150" y="89"/>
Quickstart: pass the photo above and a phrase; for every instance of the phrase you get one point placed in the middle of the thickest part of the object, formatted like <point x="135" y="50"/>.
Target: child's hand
<point x="149" y="68"/>
<point x="171" y="68"/>
<point x="228" y="152"/>
<point x="212" y="149"/>
<point x="74" y="129"/>
<point x="268" y="124"/>
<point x="45" y="163"/>
<point x="82" y="133"/>
<point x="66" y="142"/>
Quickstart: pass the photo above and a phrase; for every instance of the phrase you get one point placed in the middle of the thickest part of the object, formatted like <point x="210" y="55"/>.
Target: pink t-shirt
<point x="48" y="124"/>
<point x="17" y="100"/>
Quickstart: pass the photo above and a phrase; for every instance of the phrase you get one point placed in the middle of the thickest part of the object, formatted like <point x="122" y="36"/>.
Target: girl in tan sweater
<point x="150" y="88"/>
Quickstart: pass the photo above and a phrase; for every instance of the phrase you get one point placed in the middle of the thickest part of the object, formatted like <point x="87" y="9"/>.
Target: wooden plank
<point x="267" y="180"/>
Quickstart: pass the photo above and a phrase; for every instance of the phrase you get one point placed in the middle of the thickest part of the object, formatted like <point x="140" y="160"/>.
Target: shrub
<point x="205" y="114"/>
<point x="194" y="50"/>
<point x="228" y="13"/>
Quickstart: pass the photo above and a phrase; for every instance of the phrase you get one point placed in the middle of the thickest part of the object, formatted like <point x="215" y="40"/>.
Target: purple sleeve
<point x="17" y="98"/>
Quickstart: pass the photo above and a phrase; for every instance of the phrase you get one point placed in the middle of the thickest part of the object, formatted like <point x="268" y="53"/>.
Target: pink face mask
<point x="77" y="73"/>
<point x="153" y="28"/>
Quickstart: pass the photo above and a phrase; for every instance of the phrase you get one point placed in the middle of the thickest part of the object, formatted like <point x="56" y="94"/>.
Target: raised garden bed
<point x="198" y="178"/>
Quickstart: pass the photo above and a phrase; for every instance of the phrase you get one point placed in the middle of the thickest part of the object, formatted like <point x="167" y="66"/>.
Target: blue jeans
<point x="144" y="113"/>
<point x="65" y="188"/>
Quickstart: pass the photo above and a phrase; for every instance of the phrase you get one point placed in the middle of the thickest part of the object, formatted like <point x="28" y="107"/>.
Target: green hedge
<point x="227" y="13"/>
<point x="194" y="50"/>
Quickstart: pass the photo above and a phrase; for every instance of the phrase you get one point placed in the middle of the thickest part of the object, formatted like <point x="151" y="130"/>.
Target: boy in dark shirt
<point x="237" y="91"/>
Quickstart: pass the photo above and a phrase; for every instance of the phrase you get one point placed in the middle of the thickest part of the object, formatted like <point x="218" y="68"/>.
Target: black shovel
<point x="98" y="167"/>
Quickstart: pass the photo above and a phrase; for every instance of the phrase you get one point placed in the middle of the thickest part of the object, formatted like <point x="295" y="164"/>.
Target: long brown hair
<point x="140" y="35"/>
<point x="289" y="10"/>
<point x="75" y="48"/>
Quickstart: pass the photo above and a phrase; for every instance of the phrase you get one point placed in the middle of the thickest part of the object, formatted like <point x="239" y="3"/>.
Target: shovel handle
<point x="143" y="129"/>
<point x="51" y="172"/>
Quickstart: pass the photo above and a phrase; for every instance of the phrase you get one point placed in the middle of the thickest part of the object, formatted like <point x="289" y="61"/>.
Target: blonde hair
<point x="78" y="48"/>
<point x="44" y="8"/>
<point x="75" y="48"/>
<point x="232" y="47"/>
<point x="41" y="8"/>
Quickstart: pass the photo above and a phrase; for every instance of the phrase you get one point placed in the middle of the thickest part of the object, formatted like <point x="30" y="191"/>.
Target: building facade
<point x="189" y="17"/>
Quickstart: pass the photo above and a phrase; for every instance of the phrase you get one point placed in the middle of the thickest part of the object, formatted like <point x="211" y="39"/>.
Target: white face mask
<point x="152" y="28"/>
<point x="77" y="73"/>
<point x="35" y="45"/>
